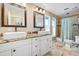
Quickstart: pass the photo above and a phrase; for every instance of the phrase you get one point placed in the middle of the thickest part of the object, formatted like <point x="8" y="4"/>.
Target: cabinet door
<point x="5" y="53"/>
<point x="23" y="48"/>
<point x="43" y="46"/>
<point x="46" y="44"/>
<point x="35" y="47"/>
<point x="35" y="50"/>
<point x="49" y="44"/>
<point x="21" y="51"/>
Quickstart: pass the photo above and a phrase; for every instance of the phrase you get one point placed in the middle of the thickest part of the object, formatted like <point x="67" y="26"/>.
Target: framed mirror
<point x="13" y="15"/>
<point x="38" y="20"/>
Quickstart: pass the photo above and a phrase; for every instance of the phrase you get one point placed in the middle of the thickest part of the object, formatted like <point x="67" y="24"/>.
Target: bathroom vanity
<point x="32" y="46"/>
<point x="18" y="43"/>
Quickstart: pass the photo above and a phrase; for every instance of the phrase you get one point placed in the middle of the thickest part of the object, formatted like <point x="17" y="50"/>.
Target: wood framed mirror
<point x="13" y="15"/>
<point x="38" y="20"/>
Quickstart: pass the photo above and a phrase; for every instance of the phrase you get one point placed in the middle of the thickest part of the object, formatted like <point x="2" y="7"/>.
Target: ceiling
<point x="61" y="9"/>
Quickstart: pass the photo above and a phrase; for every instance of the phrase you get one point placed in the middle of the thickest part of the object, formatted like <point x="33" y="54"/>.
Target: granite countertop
<point x="3" y="41"/>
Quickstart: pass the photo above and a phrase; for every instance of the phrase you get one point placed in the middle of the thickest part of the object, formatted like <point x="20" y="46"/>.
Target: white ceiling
<point x="58" y="8"/>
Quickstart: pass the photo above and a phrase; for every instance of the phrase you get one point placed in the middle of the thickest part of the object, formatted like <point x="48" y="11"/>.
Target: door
<point x="35" y="47"/>
<point x="43" y="43"/>
<point x="20" y="51"/>
<point x="49" y="43"/>
<point x="23" y="48"/>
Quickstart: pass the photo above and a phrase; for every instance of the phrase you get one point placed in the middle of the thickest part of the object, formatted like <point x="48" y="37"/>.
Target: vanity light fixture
<point x="40" y="9"/>
<point x="43" y="11"/>
<point x="24" y="4"/>
<point x="36" y="8"/>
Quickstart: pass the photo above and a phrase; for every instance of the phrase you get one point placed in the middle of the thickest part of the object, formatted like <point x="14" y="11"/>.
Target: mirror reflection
<point x="14" y="15"/>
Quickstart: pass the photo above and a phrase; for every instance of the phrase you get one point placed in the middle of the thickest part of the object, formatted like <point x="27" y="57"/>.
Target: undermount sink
<point x="14" y="35"/>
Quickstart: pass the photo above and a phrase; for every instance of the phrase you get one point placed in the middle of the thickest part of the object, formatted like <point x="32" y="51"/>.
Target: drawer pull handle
<point x="14" y="50"/>
<point x="35" y="39"/>
<point x="35" y="46"/>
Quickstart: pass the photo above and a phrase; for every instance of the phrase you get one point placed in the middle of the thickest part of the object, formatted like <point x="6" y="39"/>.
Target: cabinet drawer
<point x="35" y="41"/>
<point x="35" y="48"/>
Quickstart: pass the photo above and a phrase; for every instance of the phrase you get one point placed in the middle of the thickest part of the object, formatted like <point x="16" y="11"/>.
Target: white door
<point x="46" y="44"/>
<point x="23" y="48"/>
<point x="21" y="51"/>
<point x="49" y="44"/>
<point x="35" y="47"/>
<point x="43" y="44"/>
<point x="5" y="53"/>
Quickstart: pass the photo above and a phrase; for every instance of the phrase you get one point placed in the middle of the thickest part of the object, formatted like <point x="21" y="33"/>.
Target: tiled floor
<point x="59" y="50"/>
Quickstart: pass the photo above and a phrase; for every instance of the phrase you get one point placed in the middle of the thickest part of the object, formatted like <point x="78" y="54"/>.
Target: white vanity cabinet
<point x="18" y="48"/>
<point x="5" y="53"/>
<point x="49" y="43"/>
<point x="22" y="49"/>
<point x="35" y="46"/>
<point x="43" y="46"/>
<point x="46" y="44"/>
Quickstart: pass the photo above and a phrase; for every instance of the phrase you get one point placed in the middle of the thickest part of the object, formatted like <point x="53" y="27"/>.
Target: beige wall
<point x="30" y="9"/>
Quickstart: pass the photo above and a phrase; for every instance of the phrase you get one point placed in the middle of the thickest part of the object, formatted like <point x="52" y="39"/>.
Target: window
<point x="47" y="23"/>
<point x="53" y="26"/>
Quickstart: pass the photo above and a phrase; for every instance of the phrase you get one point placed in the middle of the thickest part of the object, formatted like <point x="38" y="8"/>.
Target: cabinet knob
<point x="49" y="47"/>
<point x="14" y="50"/>
<point x="36" y="46"/>
<point x="35" y="39"/>
<point x="36" y="55"/>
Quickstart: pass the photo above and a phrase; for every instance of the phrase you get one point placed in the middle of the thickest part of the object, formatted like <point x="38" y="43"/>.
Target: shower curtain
<point x="66" y="30"/>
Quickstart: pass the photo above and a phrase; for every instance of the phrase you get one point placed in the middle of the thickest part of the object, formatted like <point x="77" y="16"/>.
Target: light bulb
<point x="24" y="4"/>
<point x="43" y="11"/>
<point x="40" y="10"/>
<point x="36" y="8"/>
